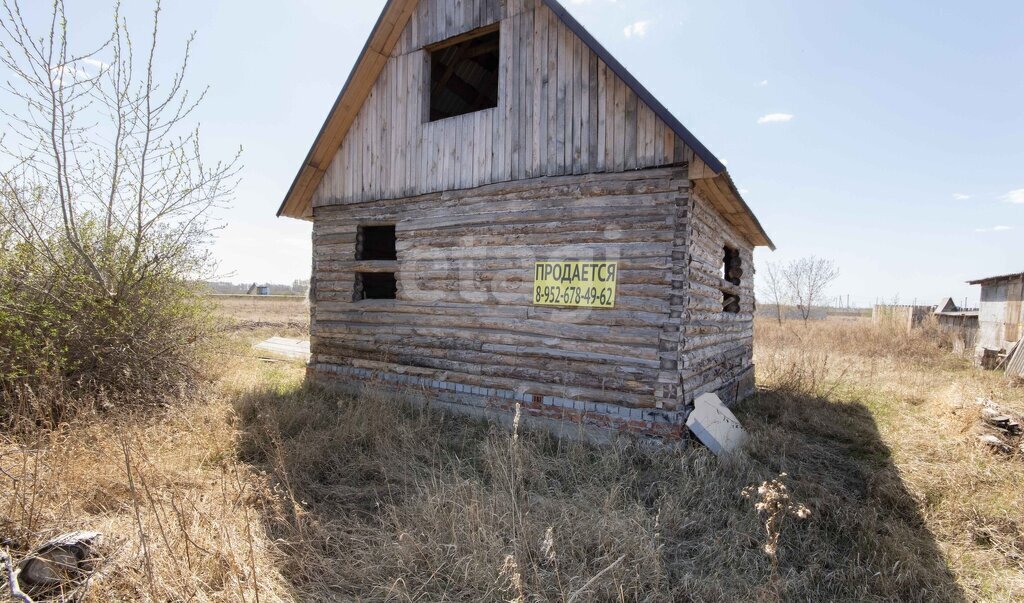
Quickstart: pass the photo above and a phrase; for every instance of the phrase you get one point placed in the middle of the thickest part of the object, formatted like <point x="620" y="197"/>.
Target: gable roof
<point x="719" y="186"/>
<point x="946" y="305"/>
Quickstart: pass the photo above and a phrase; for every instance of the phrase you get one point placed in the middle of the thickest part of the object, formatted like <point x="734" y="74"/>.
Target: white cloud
<point x="994" y="229"/>
<point x="636" y="30"/>
<point x="1014" y="196"/>
<point x="762" y="83"/>
<point x="76" y="71"/>
<point x="68" y="71"/>
<point x="961" y="196"/>
<point x="775" y="118"/>
<point x="725" y="162"/>
<point x="744" y="191"/>
<point x="96" y="63"/>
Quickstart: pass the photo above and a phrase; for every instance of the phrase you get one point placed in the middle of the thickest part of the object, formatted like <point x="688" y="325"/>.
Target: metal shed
<point x="1001" y="314"/>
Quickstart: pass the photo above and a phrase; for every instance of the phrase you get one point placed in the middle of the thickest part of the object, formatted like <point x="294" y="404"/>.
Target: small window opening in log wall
<point x="376" y="243"/>
<point x="732" y="274"/>
<point x="375" y="285"/>
<point x="464" y="76"/>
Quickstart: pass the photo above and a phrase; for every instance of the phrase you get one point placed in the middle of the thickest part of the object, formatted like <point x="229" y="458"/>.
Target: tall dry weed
<point x="424" y="506"/>
<point x="179" y="517"/>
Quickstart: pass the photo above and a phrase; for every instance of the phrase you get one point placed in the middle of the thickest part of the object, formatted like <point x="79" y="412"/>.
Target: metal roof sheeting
<point x="991" y="279"/>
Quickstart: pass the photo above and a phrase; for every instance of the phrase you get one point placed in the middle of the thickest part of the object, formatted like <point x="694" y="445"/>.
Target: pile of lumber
<point x="1014" y="361"/>
<point x="1002" y="429"/>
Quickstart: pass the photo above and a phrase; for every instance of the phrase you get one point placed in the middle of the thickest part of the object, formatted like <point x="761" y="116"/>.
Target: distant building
<point x="952" y="317"/>
<point x="960" y="323"/>
<point x="258" y="290"/>
<point x="905" y="316"/>
<point x="1001" y="315"/>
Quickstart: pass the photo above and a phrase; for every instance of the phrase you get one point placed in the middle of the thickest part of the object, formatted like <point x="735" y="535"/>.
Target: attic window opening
<point x="376" y="243"/>
<point x="464" y="76"/>
<point x="375" y="285"/>
<point x="732" y="274"/>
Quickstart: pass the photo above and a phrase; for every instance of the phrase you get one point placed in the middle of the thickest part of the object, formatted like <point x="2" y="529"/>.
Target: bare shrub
<point x="807" y="280"/>
<point x="774" y="504"/>
<point x="105" y="207"/>
<point x="773" y="288"/>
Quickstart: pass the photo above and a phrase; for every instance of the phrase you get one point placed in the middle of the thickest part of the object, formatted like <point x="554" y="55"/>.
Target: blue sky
<point x="895" y="142"/>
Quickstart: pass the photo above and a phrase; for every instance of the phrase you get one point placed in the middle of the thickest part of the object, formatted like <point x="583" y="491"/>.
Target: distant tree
<point x="105" y="207"/>
<point x="774" y="288"/>
<point x="806" y="281"/>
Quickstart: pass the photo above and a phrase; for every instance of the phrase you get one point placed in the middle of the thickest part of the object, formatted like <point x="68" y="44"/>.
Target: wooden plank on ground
<point x="284" y="347"/>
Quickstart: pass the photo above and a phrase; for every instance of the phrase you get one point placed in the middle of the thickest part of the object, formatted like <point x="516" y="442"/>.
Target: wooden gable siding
<point x="435" y="21"/>
<point x="561" y="111"/>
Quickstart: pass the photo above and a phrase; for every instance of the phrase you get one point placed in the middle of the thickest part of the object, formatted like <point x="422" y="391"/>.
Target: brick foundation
<point x="578" y="419"/>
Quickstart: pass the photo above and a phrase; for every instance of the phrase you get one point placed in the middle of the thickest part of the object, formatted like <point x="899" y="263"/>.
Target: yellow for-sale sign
<point x="578" y="284"/>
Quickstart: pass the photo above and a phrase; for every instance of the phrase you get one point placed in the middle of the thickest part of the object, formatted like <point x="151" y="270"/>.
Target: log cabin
<point x="504" y="217"/>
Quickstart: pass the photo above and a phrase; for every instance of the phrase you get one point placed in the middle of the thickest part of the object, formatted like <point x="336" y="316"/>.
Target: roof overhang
<point x="994" y="279"/>
<point x="713" y="179"/>
<point x="390" y="25"/>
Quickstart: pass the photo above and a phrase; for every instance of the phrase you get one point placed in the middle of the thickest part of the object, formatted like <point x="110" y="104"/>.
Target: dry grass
<point x="923" y="403"/>
<point x="281" y="491"/>
<point x="256" y="312"/>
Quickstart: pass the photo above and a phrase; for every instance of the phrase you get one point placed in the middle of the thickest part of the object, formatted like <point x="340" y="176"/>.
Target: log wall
<point x="716" y="347"/>
<point x="464" y="308"/>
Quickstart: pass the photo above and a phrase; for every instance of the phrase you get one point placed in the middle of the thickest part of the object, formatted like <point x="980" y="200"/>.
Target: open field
<point x="266" y="489"/>
<point x="272" y="311"/>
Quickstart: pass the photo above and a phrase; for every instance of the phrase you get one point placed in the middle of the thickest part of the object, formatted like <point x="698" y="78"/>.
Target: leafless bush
<point x="807" y="279"/>
<point x="800" y="284"/>
<point x="774" y="504"/>
<point x="105" y="204"/>
<point x="773" y="288"/>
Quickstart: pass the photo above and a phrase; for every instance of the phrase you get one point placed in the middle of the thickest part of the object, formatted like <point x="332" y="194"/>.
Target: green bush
<point x="106" y="206"/>
<point x="137" y="343"/>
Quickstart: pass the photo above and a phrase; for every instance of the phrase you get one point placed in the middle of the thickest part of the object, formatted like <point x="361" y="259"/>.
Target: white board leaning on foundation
<point x="297" y="349"/>
<point x="715" y="425"/>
